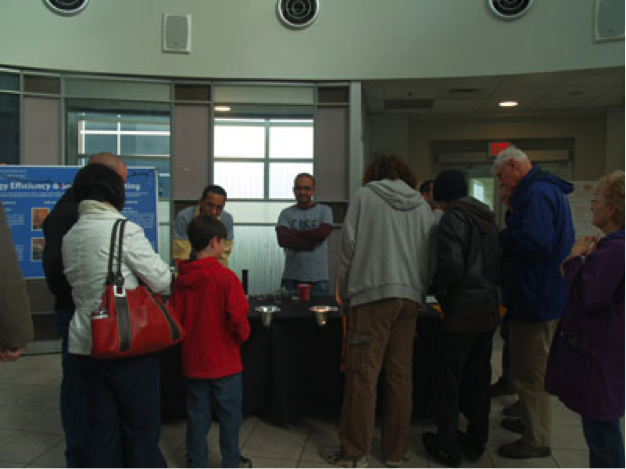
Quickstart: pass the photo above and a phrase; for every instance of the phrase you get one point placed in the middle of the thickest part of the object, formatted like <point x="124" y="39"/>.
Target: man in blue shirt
<point x="302" y="231"/>
<point x="212" y="203"/>
<point x="538" y="235"/>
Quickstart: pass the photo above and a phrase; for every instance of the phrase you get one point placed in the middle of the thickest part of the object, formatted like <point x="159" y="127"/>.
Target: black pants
<point x="124" y="411"/>
<point x="463" y="383"/>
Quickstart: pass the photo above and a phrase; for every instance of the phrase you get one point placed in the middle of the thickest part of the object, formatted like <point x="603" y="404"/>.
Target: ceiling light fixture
<point x="222" y="108"/>
<point x="508" y="103"/>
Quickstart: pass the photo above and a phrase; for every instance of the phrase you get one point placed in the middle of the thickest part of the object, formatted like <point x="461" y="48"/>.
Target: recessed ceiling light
<point x="222" y="108"/>
<point x="508" y="103"/>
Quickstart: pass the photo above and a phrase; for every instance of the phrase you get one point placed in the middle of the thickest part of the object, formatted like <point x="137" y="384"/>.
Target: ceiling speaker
<point x="509" y="9"/>
<point x="298" y="13"/>
<point x="609" y="20"/>
<point x="66" y="7"/>
<point x="177" y="33"/>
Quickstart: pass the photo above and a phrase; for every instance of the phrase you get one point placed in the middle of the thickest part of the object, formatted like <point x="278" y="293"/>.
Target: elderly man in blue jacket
<point x="538" y="236"/>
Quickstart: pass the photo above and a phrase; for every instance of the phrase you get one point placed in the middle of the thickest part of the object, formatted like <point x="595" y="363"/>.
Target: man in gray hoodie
<point x="382" y="280"/>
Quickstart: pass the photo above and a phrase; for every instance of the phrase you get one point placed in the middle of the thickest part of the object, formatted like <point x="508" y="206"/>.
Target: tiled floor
<point x="31" y="435"/>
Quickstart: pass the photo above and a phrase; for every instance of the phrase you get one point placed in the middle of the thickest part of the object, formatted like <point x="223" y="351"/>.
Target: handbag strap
<point x="115" y="277"/>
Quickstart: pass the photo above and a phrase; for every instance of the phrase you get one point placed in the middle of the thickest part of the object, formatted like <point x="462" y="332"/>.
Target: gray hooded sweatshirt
<point x="386" y="245"/>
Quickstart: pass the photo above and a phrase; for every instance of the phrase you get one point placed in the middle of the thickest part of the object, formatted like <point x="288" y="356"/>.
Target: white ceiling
<point x="578" y="91"/>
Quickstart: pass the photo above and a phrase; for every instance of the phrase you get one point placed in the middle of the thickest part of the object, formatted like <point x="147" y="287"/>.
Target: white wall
<point x="388" y="134"/>
<point x="351" y="39"/>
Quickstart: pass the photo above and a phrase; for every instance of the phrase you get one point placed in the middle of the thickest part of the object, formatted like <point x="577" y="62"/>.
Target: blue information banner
<point x="29" y="193"/>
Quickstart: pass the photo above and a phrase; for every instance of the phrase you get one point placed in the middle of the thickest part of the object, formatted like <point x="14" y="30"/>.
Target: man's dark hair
<point x="215" y="189"/>
<point x="450" y="185"/>
<point x="389" y="167"/>
<point x="202" y="229"/>
<point x="306" y="175"/>
<point x="99" y="182"/>
<point x="425" y="186"/>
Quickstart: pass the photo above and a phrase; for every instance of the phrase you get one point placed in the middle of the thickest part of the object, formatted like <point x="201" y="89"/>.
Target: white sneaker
<point x="336" y="458"/>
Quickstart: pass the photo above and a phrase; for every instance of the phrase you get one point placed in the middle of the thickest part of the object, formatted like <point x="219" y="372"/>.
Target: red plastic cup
<point x="305" y="291"/>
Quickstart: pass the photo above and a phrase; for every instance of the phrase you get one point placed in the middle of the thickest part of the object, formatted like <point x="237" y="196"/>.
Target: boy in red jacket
<point x="214" y="311"/>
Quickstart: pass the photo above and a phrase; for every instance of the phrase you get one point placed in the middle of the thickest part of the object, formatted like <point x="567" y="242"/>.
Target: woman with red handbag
<point x="124" y="393"/>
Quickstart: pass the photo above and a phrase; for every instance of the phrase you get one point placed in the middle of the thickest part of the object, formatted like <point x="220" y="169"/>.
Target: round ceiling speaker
<point x="509" y="9"/>
<point x="66" y="7"/>
<point x="298" y="13"/>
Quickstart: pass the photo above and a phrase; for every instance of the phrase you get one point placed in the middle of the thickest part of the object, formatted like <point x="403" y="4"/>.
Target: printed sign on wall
<point x="29" y="193"/>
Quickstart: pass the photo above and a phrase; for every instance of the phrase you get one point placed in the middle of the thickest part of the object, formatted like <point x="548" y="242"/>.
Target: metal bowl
<point x="323" y="309"/>
<point x="267" y="309"/>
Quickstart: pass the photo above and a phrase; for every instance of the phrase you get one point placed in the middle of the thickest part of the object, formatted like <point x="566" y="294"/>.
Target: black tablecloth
<point x="293" y="366"/>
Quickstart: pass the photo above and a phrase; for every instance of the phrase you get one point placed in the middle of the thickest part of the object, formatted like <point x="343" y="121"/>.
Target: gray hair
<point x="511" y="153"/>
<point x="611" y="187"/>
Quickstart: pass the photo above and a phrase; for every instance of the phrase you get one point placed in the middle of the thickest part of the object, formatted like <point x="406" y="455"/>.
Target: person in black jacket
<point x="465" y="284"/>
<point x="73" y="388"/>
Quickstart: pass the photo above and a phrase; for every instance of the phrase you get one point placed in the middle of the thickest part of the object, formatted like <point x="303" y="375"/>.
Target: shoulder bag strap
<point x="110" y="273"/>
<point x="118" y="278"/>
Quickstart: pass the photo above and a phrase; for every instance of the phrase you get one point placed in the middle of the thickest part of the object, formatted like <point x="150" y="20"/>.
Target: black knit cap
<point x="449" y="185"/>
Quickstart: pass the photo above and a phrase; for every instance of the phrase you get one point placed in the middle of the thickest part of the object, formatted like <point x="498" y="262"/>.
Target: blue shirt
<point x="185" y="216"/>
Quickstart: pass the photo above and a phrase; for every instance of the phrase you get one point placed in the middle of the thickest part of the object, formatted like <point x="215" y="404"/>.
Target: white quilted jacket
<point x="86" y="255"/>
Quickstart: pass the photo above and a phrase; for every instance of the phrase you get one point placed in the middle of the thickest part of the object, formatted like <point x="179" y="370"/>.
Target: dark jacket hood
<point x="484" y="218"/>
<point x="396" y="193"/>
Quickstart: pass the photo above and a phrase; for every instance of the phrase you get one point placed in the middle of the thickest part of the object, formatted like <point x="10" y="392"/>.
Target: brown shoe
<point x="513" y="410"/>
<point x="513" y="425"/>
<point x="520" y="450"/>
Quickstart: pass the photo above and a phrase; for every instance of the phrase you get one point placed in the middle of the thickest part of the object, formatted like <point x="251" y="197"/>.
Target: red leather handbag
<point x="130" y="322"/>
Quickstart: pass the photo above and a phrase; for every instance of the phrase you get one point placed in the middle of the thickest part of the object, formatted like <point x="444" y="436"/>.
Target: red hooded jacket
<point x="213" y="309"/>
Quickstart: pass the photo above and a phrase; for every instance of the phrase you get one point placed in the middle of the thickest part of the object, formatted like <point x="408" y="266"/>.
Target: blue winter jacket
<point x="539" y="234"/>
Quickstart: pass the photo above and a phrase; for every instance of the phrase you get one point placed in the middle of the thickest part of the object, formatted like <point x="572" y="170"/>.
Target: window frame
<point x="267" y="123"/>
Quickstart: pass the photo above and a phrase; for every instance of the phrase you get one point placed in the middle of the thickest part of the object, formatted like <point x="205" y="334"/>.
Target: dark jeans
<point x="463" y="381"/>
<point x="506" y="354"/>
<point x="605" y="441"/>
<point x="124" y="411"/>
<point x="317" y="288"/>
<point x="225" y="393"/>
<point x="74" y="408"/>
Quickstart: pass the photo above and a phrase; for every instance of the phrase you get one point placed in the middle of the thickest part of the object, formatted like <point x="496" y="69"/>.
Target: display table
<point x="292" y="367"/>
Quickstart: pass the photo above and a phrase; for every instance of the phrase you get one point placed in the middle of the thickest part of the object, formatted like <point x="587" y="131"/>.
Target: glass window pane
<point x="164" y="242"/>
<point x="482" y="189"/>
<point x="10" y="129"/>
<point x="163" y="167"/>
<point x="257" y="251"/>
<point x="282" y="176"/>
<point x="239" y="141"/>
<point x="94" y="125"/>
<point x="240" y="180"/>
<point x="164" y="212"/>
<point x="256" y="212"/>
<point x="9" y="81"/>
<point x="97" y="143"/>
<point x="145" y="145"/>
<point x="291" y="142"/>
<point x="144" y="127"/>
